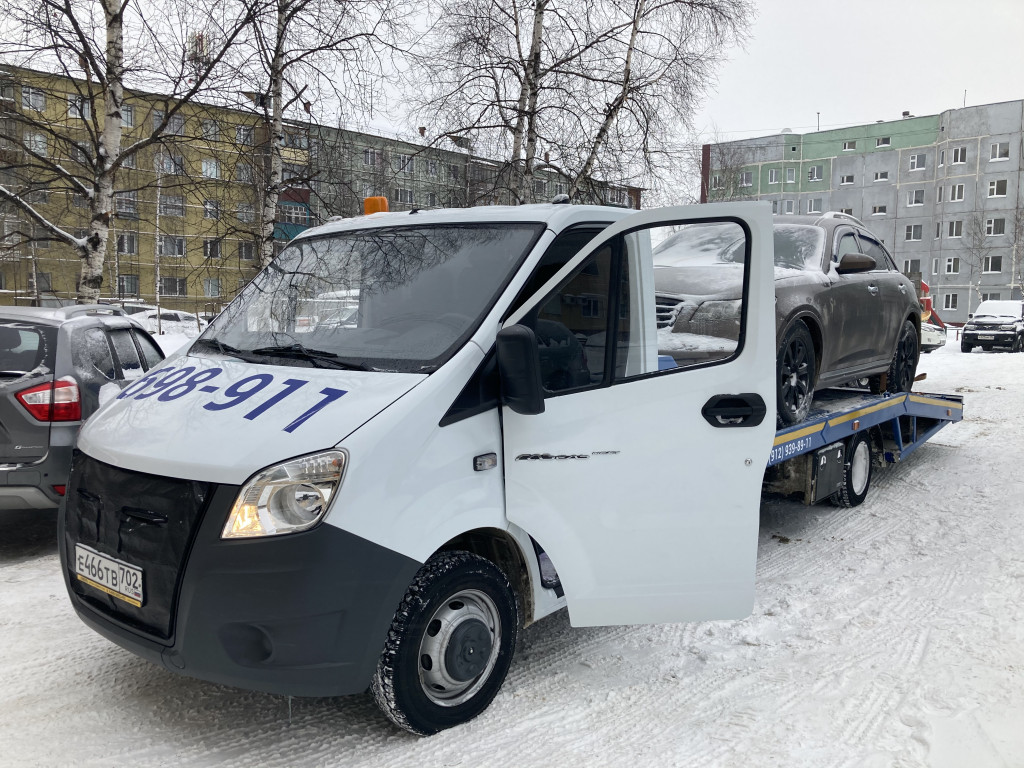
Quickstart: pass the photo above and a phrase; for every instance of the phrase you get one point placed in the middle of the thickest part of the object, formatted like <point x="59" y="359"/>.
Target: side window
<point x="563" y="248"/>
<point x="150" y="352"/>
<point x="92" y="360"/>
<point x="847" y="244"/>
<point x="873" y="248"/>
<point x="571" y="326"/>
<point x="127" y="354"/>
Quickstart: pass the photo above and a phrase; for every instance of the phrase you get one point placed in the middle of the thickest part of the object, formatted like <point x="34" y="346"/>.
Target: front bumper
<point x="304" y="614"/>
<point x="989" y="338"/>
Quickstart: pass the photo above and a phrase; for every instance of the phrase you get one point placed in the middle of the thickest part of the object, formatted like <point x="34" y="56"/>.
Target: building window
<point x="211" y="130"/>
<point x="243" y="173"/>
<point x="956" y="193"/>
<point x="938" y="234"/>
<point x="296" y="139"/>
<point x="942" y="157"/>
<point x="170" y="245"/>
<point x="35" y="143"/>
<point x="952" y="265"/>
<point x="246" y="213"/>
<point x="847" y="179"/>
<point x="878" y="210"/>
<point x="211" y="168"/>
<point x="79" y="107"/>
<point x="373" y="156"/>
<point x="173" y="165"/>
<point x="847" y="211"/>
<point x="881" y="175"/>
<point x="814" y="173"/>
<point x="991" y="296"/>
<point x="453" y="172"/>
<point x="128" y="161"/>
<point x="1000" y="151"/>
<point x="789" y="206"/>
<point x="405" y="163"/>
<point x="211" y="209"/>
<point x="849" y="146"/>
<point x="173" y="286"/>
<point x="33" y="98"/>
<point x="949" y="301"/>
<point x="995" y="226"/>
<point x="431" y="167"/>
<point x="127" y="204"/>
<point x="293" y="214"/>
<point x="775" y="206"/>
<point x="814" y="206"/>
<point x="716" y="182"/>
<point x="992" y="264"/>
<point x="997" y="188"/>
<point x="171" y="205"/>
<point x="956" y="229"/>
<point x="791" y="175"/>
<point x="540" y="187"/>
<point x="127" y="116"/>
<point x="959" y="155"/>
<point x="211" y="286"/>
<point x="915" y="197"/>
<point x="917" y="162"/>
<point x="938" y="194"/>
<point x="773" y="175"/>
<point x="882" y="141"/>
<point x="246" y="251"/>
<point x="127" y="285"/>
<point x="914" y="232"/>
<point x="747" y="179"/>
<point x="935" y="266"/>
<point x="292" y="171"/>
<point x="175" y="125"/>
<point x="911" y="266"/>
<point x="243" y="135"/>
<point x="211" y="249"/>
<point x="402" y="195"/>
<point x="127" y="243"/>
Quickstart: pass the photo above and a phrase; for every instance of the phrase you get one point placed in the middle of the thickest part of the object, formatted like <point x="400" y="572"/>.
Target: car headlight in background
<point x="286" y="498"/>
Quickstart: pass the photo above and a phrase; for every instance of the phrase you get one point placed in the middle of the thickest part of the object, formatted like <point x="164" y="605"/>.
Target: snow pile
<point x="891" y="634"/>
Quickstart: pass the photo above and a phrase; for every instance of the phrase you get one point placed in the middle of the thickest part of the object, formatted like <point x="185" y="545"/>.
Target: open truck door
<point x="633" y="454"/>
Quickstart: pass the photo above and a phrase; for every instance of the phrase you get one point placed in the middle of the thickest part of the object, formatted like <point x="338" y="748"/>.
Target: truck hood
<point x="218" y="420"/>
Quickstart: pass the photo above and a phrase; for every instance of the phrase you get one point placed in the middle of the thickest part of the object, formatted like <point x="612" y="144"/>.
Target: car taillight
<point x="57" y="401"/>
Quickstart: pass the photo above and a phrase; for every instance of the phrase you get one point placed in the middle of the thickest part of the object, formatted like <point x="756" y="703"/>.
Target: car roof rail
<point x="841" y="215"/>
<point x="77" y="310"/>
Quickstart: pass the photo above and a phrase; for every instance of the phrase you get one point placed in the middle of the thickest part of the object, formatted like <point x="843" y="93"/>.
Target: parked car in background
<point x="57" y="365"/>
<point x="932" y="337"/>
<point x="995" y="324"/>
<point x="171" y="321"/>
<point x="843" y="309"/>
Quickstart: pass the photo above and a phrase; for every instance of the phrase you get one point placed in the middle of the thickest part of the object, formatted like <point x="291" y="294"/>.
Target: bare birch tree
<point x="104" y="48"/>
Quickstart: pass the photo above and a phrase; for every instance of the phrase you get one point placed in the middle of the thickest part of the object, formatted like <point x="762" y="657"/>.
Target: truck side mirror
<point x="855" y="262"/>
<point x="519" y="370"/>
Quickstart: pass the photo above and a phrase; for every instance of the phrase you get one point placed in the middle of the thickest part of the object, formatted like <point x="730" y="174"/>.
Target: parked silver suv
<point x="56" y="367"/>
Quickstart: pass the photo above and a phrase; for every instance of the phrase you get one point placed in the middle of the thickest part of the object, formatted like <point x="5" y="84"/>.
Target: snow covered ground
<point x="887" y="635"/>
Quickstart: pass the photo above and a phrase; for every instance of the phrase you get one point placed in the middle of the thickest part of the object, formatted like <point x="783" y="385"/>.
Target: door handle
<point x="746" y="410"/>
<point x="873" y="290"/>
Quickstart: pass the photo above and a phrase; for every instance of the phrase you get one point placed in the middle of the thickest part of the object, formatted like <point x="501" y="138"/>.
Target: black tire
<point x="965" y="347"/>
<point x="856" y="472"/>
<point x="986" y="347"/>
<point x="1018" y="344"/>
<point x="903" y="368"/>
<point x="449" y="646"/>
<point x="795" y="367"/>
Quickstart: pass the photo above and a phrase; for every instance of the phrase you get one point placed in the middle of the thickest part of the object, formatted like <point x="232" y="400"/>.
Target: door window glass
<point x="847" y="244"/>
<point x="150" y="352"/>
<point x="127" y="354"/>
<point x="873" y="249"/>
<point x="20" y="348"/>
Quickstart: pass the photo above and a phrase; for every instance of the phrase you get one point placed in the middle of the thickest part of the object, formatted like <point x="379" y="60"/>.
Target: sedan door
<point x="641" y="478"/>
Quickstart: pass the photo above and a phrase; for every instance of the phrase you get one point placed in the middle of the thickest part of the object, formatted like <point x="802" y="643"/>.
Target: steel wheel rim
<point x="860" y="467"/>
<point x="455" y="632"/>
<point x="795" y="375"/>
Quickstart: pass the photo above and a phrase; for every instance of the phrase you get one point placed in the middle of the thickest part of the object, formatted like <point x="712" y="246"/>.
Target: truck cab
<point x="494" y="429"/>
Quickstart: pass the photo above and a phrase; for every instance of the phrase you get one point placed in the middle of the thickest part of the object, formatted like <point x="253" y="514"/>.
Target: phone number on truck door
<point x="173" y="383"/>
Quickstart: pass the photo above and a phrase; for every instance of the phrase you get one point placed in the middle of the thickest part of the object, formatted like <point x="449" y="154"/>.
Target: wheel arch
<point x="504" y="551"/>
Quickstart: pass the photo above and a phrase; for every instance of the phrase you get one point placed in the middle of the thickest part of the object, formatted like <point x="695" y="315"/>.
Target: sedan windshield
<point x="396" y="299"/>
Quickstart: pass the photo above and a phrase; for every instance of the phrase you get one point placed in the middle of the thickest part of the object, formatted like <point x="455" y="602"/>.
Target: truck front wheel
<point x="856" y="472"/>
<point x="449" y="646"/>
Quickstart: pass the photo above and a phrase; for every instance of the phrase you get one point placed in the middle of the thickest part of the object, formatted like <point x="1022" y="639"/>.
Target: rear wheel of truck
<point x="449" y="646"/>
<point x="856" y="472"/>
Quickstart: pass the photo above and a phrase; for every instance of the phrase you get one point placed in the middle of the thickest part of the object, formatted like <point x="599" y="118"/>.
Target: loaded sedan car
<point x="56" y="367"/>
<point x="843" y="309"/>
<point x="995" y="324"/>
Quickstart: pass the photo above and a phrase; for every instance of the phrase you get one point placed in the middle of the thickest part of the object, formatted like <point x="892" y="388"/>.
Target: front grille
<point x="666" y="309"/>
<point x="145" y="520"/>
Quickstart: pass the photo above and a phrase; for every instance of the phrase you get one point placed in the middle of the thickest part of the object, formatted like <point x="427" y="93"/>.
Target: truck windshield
<point x="396" y="299"/>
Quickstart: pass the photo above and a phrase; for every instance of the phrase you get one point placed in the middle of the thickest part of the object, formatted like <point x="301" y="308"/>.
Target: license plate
<point x="986" y="338"/>
<point x="116" y="578"/>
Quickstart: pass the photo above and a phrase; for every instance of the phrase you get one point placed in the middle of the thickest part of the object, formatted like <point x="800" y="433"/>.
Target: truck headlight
<point x="286" y="498"/>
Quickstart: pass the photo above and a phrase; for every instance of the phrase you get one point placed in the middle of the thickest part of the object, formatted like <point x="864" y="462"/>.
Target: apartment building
<point x="942" y="191"/>
<point x="188" y="209"/>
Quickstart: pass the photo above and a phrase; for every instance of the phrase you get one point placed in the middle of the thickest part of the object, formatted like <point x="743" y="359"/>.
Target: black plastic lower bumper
<point x="989" y="338"/>
<point x="303" y="614"/>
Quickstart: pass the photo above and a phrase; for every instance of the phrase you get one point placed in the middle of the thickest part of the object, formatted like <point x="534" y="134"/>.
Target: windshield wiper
<point x="224" y="349"/>
<point x="316" y="356"/>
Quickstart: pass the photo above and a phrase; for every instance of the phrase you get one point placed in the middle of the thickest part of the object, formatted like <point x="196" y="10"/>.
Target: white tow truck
<point x="496" y="429"/>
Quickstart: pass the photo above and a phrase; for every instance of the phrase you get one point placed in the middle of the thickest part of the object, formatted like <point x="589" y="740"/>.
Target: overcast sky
<point x="858" y="61"/>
